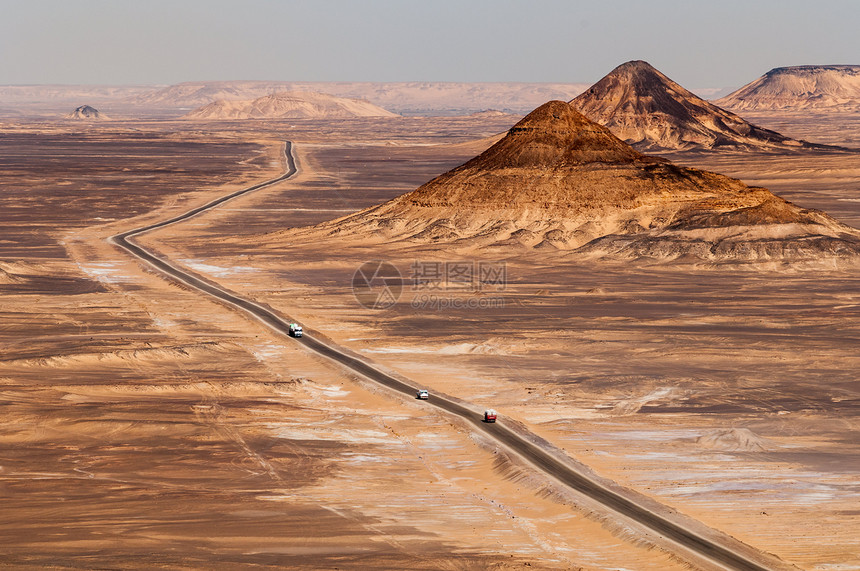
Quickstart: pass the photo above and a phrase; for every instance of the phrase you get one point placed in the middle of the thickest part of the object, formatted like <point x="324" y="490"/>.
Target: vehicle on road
<point x="295" y="330"/>
<point x="729" y="552"/>
<point x="423" y="394"/>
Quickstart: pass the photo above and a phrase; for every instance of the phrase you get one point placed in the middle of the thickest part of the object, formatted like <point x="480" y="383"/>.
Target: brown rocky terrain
<point x="560" y="181"/>
<point x="146" y="427"/>
<point x="647" y="109"/>
<point x="87" y="113"/>
<point x="814" y="87"/>
<point x="136" y="436"/>
<point x="290" y="105"/>
<point x="727" y="393"/>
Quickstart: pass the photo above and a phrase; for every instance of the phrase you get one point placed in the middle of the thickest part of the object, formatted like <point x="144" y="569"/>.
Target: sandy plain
<point x="144" y="426"/>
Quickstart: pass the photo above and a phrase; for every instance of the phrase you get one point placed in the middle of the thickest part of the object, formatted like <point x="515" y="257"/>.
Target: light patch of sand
<point x="216" y="271"/>
<point x="735" y="439"/>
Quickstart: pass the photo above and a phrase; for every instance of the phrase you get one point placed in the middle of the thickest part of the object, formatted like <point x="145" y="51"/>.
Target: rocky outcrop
<point x="86" y="113"/>
<point x="817" y="87"/>
<point x="645" y="108"/>
<point x="559" y="181"/>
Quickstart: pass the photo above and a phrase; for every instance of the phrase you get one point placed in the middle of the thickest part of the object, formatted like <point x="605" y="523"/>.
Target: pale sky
<point x="700" y="44"/>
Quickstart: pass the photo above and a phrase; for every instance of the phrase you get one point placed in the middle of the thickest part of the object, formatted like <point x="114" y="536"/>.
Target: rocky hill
<point x="85" y="112"/>
<point x="559" y="181"/>
<point x="291" y="105"/>
<point x="650" y="111"/>
<point x="818" y="87"/>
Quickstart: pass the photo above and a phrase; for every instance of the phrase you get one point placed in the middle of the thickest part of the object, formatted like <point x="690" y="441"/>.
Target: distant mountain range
<point x="404" y="97"/>
<point x="816" y="87"/>
<point x="65" y="94"/>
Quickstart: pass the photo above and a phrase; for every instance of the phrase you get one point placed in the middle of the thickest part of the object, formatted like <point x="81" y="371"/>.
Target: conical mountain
<point x="550" y="140"/>
<point x="87" y="113"/>
<point x="558" y="180"/>
<point x="647" y="109"/>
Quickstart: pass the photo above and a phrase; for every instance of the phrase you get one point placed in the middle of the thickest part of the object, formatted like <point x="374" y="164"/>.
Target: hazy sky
<point x="698" y="43"/>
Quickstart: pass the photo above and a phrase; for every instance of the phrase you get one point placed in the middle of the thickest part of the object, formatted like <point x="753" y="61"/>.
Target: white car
<point x="295" y="330"/>
<point x="423" y="394"/>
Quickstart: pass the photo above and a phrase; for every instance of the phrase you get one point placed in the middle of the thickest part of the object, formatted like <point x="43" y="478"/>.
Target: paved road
<point x="517" y="443"/>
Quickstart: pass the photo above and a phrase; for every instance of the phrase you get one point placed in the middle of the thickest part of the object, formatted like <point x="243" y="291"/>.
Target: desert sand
<point x="145" y="426"/>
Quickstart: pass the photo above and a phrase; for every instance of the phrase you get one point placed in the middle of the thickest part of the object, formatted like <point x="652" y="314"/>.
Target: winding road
<point x="737" y="556"/>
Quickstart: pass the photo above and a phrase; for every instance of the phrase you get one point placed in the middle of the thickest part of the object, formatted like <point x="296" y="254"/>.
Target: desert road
<point x="727" y="556"/>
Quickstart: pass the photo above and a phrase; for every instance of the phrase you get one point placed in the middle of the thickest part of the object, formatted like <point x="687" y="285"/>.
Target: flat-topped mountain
<point x="291" y="105"/>
<point x="86" y="112"/>
<point x="560" y="181"/>
<point x="650" y="111"/>
<point x="819" y="87"/>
